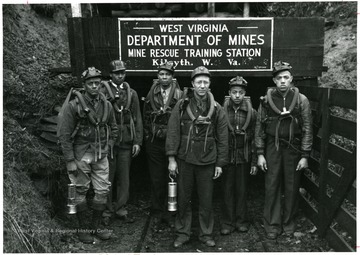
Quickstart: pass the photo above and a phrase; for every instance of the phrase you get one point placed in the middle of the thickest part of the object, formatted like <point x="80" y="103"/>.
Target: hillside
<point x="35" y="40"/>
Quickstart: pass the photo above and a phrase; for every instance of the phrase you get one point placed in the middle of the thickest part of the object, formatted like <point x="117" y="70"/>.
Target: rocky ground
<point x="34" y="41"/>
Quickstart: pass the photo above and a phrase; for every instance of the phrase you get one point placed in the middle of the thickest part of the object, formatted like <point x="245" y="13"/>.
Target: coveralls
<point x="198" y="149"/>
<point x="155" y="129"/>
<point x="235" y="177"/>
<point x="273" y="140"/>
<point x="130" y="127"/>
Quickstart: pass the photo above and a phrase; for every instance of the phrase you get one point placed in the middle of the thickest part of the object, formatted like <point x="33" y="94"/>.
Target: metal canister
<point x="172" y="194"/>
<point x="71" y="198"/>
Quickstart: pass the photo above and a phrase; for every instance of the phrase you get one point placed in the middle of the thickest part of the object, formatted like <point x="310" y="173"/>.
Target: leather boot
<point x="100" y="231"/>
<point x="83" y="232"/>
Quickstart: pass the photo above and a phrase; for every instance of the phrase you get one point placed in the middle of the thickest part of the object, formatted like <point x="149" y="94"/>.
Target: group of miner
<point x="189" y="136"/>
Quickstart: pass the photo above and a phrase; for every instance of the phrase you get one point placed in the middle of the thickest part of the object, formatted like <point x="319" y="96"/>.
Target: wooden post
<point x="324" y="158"/>
<point x="246" y="12"/>
<point x="76" y="10"/>
<point x="211" y="9"/>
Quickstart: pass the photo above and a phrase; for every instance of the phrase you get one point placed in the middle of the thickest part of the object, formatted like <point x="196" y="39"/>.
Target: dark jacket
<point x="268" y="121"/>
<point x="129" y="120"/>
<point x="86" y="136"/>
<point x="238" y="154"/>
<point x="156" y="120"/>
<point x="197" y="144"/>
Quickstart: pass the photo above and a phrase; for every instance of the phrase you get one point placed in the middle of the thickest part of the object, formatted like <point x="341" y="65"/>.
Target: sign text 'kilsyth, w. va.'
<point x="221" y="44"/>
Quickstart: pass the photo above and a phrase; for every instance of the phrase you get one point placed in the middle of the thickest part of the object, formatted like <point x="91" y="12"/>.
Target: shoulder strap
<point x="292" y="105"/>
<point x="210" y="113"/>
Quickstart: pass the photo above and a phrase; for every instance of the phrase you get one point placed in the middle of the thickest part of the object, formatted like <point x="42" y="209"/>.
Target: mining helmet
<point x="201" y="70"/>
<point x="281" y="66"/>
<point x="117" y="65"/>
<point x="237" y="81"/>
<point x="168" y="66"/>
<point x="91" y="72"/>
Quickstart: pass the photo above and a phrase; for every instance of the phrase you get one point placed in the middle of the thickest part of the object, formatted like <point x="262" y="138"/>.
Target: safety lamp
<point x="71" y="198"/>
<point x="172" y="188"/>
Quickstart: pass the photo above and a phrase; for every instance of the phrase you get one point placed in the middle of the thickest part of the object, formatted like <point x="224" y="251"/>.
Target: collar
<point x="90" y="99"/>
<point x="117" y="86"/>
<point x="242" y="106"/>
<point x="166" y="90"/>
<point x="201" y="99"/>
<point x="158" y="89"/>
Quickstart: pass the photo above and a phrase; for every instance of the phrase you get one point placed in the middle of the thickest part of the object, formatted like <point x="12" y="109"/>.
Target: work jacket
<point x="79" y="135"/>
<point x="128" y="119"/>
<point x="198" y="144"/>
<point x="241" y="142"/>
<point x="155" y="115"/>
<point x="293" y="128"/>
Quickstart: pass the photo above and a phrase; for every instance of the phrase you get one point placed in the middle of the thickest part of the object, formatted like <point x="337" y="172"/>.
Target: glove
<point x="72" y="168"/>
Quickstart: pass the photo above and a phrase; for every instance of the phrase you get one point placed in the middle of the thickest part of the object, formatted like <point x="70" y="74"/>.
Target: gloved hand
<point x="72" y="168"/>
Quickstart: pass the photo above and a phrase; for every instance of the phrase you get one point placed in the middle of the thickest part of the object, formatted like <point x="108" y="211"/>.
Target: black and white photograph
<point x="179" y="127"/>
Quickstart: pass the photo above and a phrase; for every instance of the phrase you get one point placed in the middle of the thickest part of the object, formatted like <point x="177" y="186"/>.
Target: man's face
<point x="118" y="77"/>
<point x="92" y="86"/>
<point x="165" y="77"/>
<point x="283" y="80"/>
<point x="237" y="94"/>
<point x="201" y="84"/>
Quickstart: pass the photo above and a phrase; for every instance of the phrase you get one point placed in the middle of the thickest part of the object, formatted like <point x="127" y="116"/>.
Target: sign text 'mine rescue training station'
<point x="221" y="44"/>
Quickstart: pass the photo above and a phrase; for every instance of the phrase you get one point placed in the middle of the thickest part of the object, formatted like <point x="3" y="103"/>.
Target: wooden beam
<point x="324" y="222"/>
<point x="211" y="9"/>
<point x="76" y="10"/>
<point x="246" y="13"/>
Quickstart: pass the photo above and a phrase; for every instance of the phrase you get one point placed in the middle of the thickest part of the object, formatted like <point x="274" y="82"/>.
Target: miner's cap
<point x="238" y="81"/>
<point x="168" y="66"/>
<point x="117" y="65"/>
<point x="281" y="66"/>
<point x="91" y="72"/>
<point x="201" y="70"/>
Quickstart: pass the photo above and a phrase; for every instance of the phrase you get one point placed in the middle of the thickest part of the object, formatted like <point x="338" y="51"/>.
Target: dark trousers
<point x="120" y="181"/>
<point x="281" y="175"/>
<point x="234" y="183"/>
<point x="159" y="176"/>
<point x="202" y="176"/>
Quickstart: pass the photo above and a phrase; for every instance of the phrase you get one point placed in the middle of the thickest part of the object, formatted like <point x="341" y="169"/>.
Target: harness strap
<point x="243" y="129"/>
<point x="200" y="120"/>
<point x="151" y="95"/>
<point x="292" y="105"/>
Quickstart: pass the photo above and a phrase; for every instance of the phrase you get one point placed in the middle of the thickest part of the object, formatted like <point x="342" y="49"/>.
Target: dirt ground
<point x="34" y="41"/>
<point x="140" y="236"/>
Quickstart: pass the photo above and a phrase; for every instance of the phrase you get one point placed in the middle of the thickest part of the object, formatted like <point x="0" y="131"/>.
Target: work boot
<point x="100" y="231"/>
<point x="83" y="232"/>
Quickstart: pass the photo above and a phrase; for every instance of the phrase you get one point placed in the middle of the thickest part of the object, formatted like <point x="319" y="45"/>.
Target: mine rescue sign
<point x="222" y="44"/>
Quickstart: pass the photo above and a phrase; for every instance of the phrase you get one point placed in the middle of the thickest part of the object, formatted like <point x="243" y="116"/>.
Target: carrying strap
<point x="114" y="100"/>
<point x="200" y="120"/>
<point x="171" y="95"/>
<point x="292" y="105"/>
<point x="243" y="129"/>
<point x="91" y="115"/>
<point x="283" y="115"/>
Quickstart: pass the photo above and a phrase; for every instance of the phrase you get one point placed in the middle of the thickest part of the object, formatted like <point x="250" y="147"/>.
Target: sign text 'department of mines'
<point x="221" y="44"/>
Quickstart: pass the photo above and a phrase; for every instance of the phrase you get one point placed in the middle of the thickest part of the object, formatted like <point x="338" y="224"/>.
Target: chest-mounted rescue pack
<point x="282" y="114"/>
<point x="237" y="131"/>
<point x="115" y="101"/>
<point x="159" y="113"/>
<point x="200" y="120"/>
<point x="84" y="112"/>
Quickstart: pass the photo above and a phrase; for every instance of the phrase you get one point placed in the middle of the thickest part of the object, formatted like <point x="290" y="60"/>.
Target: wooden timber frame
<point x="299" y="41"/>
<point x="329" y="192"/>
